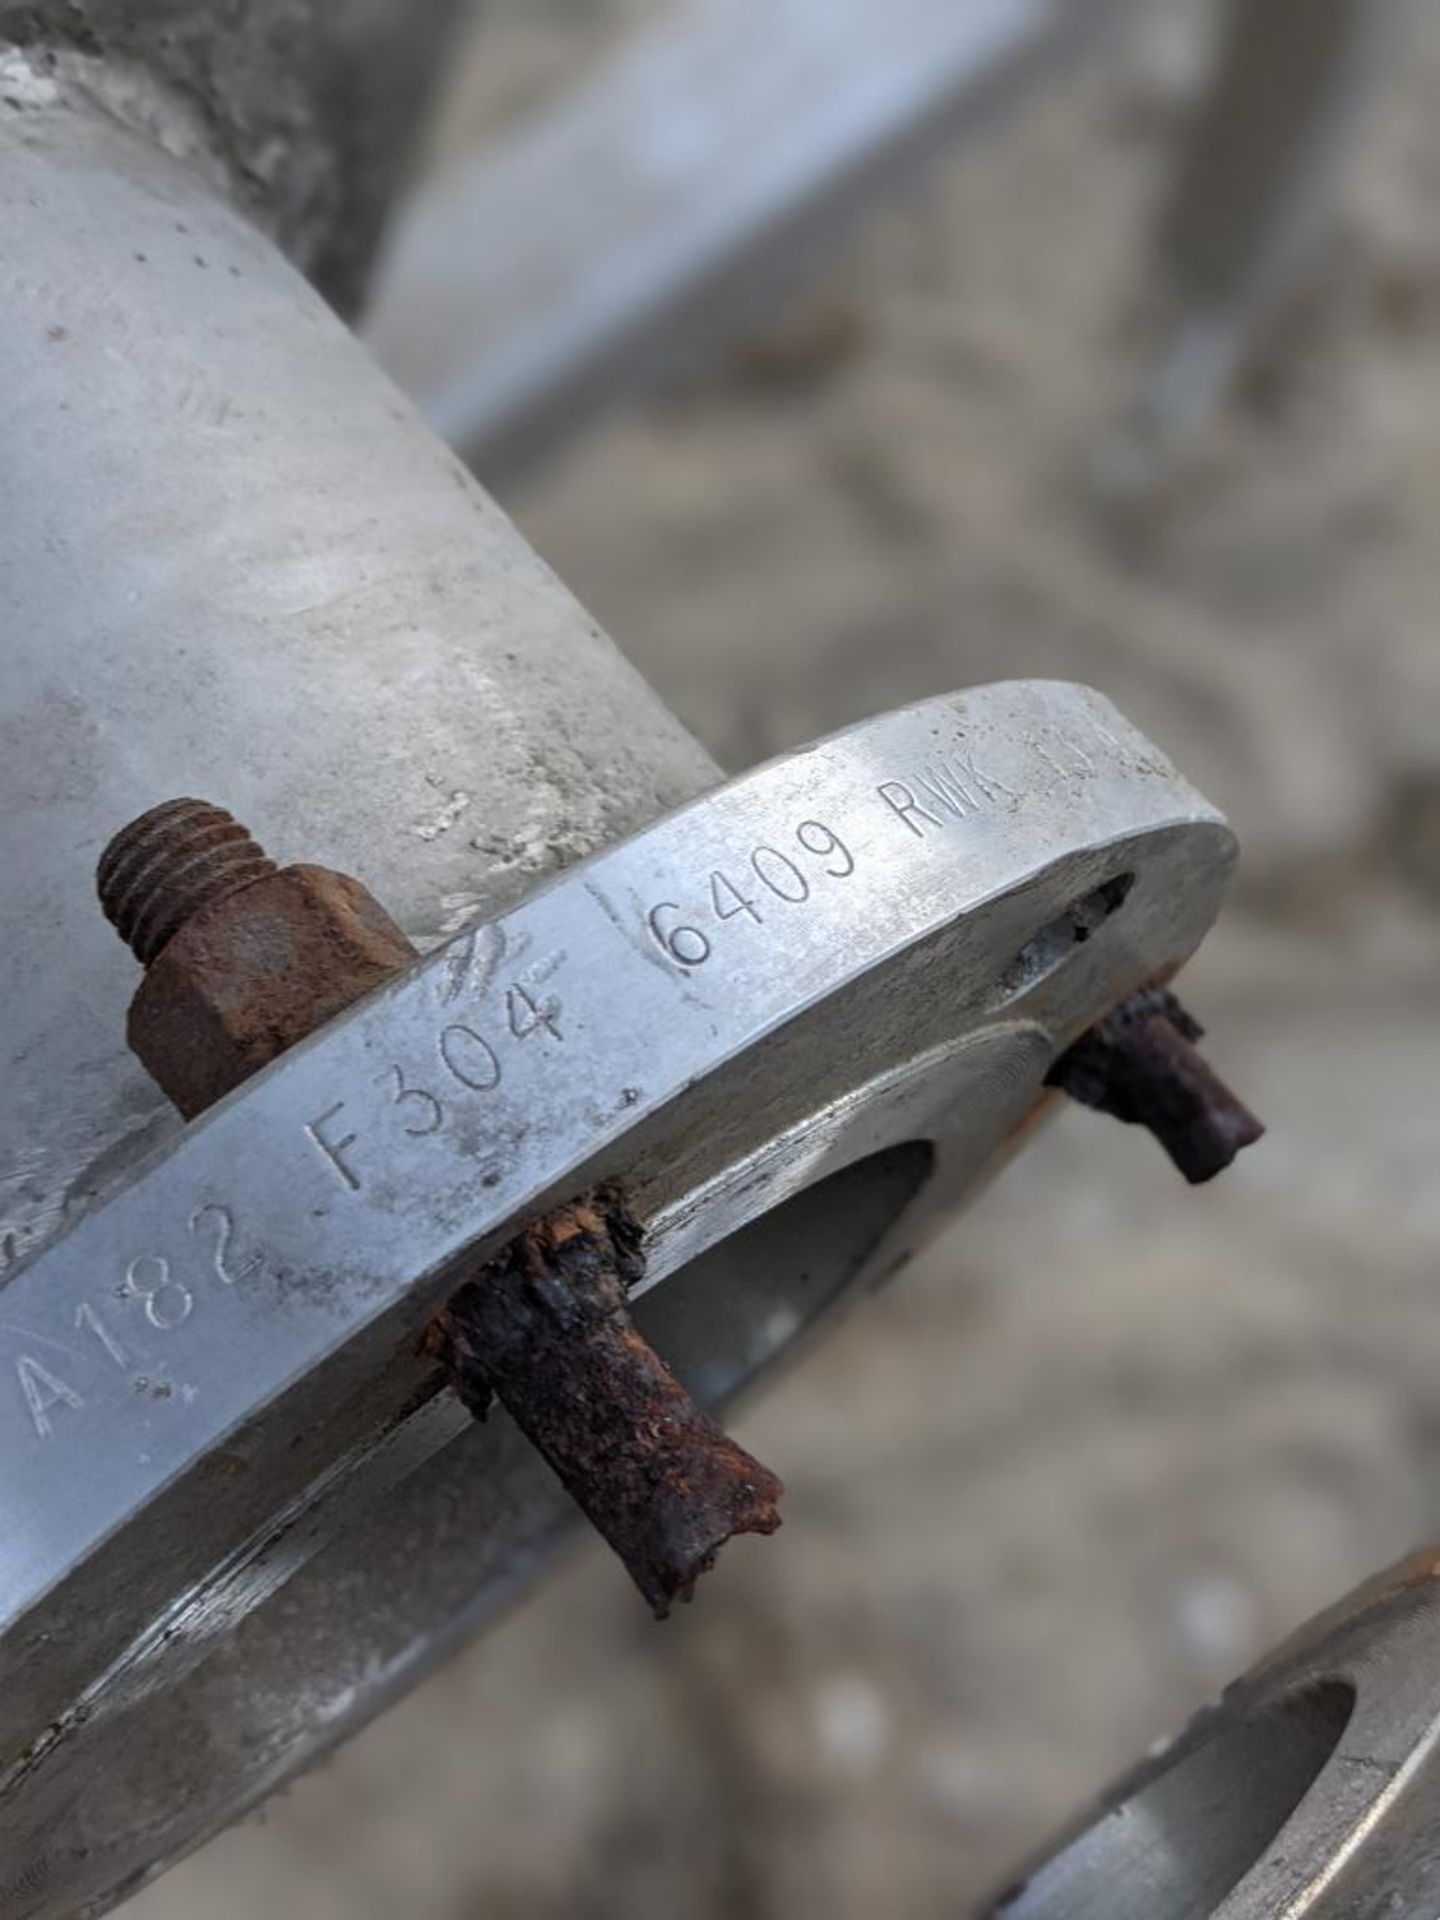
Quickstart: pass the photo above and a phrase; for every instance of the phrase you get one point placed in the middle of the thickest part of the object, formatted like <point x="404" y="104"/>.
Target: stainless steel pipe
<point x="233" y="561"/>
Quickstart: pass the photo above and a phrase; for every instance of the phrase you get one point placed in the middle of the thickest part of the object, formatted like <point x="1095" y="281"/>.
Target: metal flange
<point x="239" y="1511"/>
<point x="1308" y="1793"/>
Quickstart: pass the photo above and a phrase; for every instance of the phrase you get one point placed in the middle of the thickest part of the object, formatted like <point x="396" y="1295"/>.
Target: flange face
<point x="1308" y="1793"/>
<point x="237" y="1513"/>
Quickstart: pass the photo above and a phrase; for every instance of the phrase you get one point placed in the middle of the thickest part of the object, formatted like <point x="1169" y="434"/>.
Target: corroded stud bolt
<point x="545" y="1330"/>
<point x="242" y="959"/>
<point x="1141" y="1065"/>
<point x="169" y="865"/>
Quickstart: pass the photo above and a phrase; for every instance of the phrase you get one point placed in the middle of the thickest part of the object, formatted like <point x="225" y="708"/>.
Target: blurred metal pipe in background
<point x="1255" y="192"/>
<point x="674" y="193"/>
<point x="685" y="185"/>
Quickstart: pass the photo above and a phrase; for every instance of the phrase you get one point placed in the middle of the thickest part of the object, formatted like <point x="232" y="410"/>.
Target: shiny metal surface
<point x="236" y="1518"/>
<point x="1308" y="1793"/>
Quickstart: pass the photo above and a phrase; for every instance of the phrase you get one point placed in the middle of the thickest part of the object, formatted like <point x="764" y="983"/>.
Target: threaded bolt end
<point x="163" y="868"/>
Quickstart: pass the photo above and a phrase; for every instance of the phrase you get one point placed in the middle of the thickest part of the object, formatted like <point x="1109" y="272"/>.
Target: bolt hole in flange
<point x="726" y="1315"/>
<point x="1195" y="1822"/>
<point x="1053" y="945"/>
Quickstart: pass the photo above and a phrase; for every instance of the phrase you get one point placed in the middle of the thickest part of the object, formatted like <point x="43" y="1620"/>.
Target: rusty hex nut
<point x="254" y="972"/>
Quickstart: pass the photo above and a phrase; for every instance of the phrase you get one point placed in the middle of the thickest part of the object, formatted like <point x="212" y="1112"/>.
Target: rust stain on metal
<point x="545" y="1329"/>
<point x="1417" y="1569"/>
<point x="1141" y="1065"/>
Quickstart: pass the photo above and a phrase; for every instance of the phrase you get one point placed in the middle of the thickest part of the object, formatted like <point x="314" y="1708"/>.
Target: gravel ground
<point x="1111" y="1438"/>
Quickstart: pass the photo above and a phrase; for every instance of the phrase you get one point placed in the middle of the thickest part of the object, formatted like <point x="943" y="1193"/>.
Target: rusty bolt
<point x="1141" y="1065"/>
<point x="242" y="959"/>
<point x="545" y="1330"/>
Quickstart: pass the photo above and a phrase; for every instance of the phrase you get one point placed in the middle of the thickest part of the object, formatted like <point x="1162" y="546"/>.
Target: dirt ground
<point x="1112" y="1438"/>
